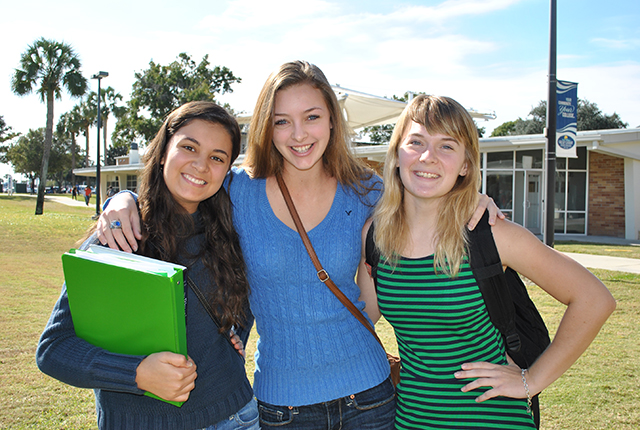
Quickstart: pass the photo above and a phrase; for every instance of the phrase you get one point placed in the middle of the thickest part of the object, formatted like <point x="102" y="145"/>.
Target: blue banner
<point x="567" y="119"/>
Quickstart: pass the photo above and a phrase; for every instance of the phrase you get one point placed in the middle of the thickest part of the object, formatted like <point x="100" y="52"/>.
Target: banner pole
<point x="550" y="132"/>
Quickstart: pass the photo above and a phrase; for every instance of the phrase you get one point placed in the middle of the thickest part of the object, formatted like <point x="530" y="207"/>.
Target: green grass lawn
<point x="599" y="392"/>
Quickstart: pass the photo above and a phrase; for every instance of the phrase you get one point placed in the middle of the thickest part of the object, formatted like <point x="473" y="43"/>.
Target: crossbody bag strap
<point x="322" y="273"/>
<point x="207" y="306"/>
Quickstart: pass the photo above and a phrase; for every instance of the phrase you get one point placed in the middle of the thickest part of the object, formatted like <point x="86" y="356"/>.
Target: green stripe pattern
<point x="440" y="323"/>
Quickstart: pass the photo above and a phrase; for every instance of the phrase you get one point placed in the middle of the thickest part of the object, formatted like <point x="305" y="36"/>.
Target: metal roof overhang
<point x="365" y="110"/>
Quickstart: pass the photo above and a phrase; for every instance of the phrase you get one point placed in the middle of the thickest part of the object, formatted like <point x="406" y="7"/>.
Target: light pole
<point x="99" y="77"/>
<point x="550" y="205"/>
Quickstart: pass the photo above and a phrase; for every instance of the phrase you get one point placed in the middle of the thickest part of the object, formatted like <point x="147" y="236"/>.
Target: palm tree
<point x="70" y="125"/>
<point x="52" y="66"/>
<point x="86" y="113"/>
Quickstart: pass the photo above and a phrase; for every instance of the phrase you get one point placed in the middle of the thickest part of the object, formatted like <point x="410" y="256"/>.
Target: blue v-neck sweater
<point x="311" y="348"/>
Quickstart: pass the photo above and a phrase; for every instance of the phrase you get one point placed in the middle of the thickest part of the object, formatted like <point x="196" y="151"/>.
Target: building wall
<point x="606" y="196"/>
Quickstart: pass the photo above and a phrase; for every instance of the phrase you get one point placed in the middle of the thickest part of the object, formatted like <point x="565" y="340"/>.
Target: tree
<point x="505" y="129"/>
<point x="5" y="131"/>
<point x="160" y="89"/>
<point x="85" y="112"/>
<point x="69" y="126"/>
<point x="380" y="134"/>
<point x="115" y="151"/>
<point x="590" y="117"/>
<point x="60" y="160"/>
<point x="108" y="105"/>
<point x="52" y="66"/>
<point x="5" y="135"/>
<point x="26" y="154"/>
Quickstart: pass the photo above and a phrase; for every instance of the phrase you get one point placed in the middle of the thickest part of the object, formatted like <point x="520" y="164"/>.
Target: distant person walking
<point x="10" y="186"/>
<point x="74" y="193"/>
<point x="87" y="194"/>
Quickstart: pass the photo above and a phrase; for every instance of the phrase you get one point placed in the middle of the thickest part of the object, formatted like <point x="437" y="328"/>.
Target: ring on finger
<point x="115" y="224"/>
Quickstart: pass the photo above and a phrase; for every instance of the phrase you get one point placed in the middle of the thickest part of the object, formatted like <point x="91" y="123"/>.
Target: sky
<point x="489" y="55"/>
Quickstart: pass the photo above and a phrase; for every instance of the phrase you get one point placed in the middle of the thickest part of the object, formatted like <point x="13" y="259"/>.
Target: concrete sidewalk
<point x="621" y="264"/>
<point x="67" y="200"/>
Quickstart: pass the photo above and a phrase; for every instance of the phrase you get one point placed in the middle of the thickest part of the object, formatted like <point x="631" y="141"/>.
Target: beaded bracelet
<point x="526" y="390"/>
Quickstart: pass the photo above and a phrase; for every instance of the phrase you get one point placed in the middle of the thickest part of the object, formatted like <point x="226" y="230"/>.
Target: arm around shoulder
<point x="121" y="207"/>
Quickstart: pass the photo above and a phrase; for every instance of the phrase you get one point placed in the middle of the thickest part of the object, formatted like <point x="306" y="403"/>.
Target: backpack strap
<point x="487" y="269"/>
<point x="372" y="254"/>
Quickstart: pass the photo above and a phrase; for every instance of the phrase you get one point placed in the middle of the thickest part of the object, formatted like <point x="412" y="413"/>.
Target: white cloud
<point x="616" y="44"/>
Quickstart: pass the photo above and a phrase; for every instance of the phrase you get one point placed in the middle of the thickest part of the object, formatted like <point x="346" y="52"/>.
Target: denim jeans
<point x="245" y="419"/>
<point x="373" y="409"/>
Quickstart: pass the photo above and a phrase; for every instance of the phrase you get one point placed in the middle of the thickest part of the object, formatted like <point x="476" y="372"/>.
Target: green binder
<point x="126" y="303"/>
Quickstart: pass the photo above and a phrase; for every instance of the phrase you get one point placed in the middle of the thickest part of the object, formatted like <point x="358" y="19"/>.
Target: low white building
<point x="597" y="193"/>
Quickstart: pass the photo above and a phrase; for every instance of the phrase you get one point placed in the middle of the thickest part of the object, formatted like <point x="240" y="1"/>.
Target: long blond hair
<point x="262" y="159"/>
<point x="439" y="115"/>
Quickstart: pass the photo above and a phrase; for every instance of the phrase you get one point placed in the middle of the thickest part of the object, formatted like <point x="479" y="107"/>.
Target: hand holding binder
<point x="125" y="303"/>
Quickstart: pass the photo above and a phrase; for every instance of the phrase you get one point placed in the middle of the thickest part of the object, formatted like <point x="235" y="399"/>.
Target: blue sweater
<point x="311" y="348"/>
<point x="221" y="388"/>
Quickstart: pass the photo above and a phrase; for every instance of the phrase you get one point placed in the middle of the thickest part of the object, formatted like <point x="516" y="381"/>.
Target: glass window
<point x="576" y="193"/>
<point x="560" y="187"/>
<point x="500" y="160"/>
<point x="575" y="223"/>
<point x="500" y="188"/>
<point x="579" y="163"/>
<point x="561" y="163"/>
<point x="558" y="223"/>
<point x="132" y="182"/>
<point x="529" y="159"/>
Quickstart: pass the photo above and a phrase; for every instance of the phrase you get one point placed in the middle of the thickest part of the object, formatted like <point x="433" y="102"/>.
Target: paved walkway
<point x="68" y="200"/>
<point x="620" y="264"/>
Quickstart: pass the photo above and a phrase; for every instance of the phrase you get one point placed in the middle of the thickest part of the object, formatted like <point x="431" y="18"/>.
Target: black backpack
<point x="508" y="303"/>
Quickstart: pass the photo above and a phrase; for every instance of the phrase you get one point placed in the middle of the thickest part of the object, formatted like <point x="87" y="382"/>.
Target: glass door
<point x="533" y="202"/>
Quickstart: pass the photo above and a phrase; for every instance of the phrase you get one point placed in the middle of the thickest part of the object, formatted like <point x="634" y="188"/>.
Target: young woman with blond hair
<point x="455" y="371"/>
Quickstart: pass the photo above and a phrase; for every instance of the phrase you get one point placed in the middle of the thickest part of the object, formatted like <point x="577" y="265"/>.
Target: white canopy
<point x="364" y="110"/>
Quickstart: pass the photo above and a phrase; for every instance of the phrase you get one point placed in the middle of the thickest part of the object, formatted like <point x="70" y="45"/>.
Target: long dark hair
<point x="167" y="225"/>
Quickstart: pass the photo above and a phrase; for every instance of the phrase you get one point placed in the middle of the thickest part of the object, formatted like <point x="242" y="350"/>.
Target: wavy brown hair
<point x="167" y="225"/>
<point x="441" y="115"/>
<point x="262" y="159"/>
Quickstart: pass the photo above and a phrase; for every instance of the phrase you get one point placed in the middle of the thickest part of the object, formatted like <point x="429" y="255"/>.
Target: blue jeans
<point x="245" y="419"/>
<point x="373" y="409"/>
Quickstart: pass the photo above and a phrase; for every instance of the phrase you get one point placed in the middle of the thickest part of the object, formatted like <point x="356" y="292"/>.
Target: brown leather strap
<point x="322" y="274"/>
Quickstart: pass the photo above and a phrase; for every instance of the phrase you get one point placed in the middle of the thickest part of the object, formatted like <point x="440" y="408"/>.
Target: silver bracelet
<point x="526" y="390"/>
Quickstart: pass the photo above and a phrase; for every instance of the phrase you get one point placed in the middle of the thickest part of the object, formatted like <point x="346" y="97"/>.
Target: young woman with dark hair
<point x="187" y="219"/>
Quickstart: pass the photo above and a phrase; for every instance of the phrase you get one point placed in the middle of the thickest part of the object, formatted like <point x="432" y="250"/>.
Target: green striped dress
<point x="441" y="323"/>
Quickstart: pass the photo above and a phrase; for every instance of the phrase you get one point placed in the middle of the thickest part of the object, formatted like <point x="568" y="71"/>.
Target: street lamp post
<point x="99" y="77"/>
<point x="550" y="132"/>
